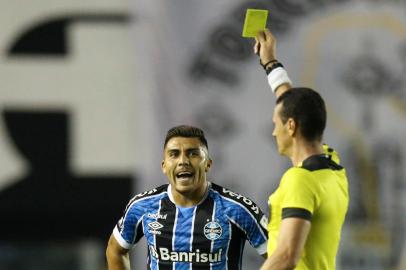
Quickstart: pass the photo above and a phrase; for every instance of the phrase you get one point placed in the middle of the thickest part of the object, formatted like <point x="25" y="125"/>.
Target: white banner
<point x="197" y="69"/>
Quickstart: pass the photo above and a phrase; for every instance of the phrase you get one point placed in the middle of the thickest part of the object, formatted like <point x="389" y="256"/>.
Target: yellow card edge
<point x="249" y="10"/>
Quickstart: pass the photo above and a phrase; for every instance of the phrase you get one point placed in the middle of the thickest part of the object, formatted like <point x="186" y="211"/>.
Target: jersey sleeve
<point x="128" y="230"/>
<point x="299" y="194"/>
<point x="252" y="221"/>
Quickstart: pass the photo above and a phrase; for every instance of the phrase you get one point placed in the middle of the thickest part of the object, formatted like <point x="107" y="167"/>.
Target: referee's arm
<point x="265" y="48"/>
<point x="291" y="240"/>
<point x="117" y="256"/>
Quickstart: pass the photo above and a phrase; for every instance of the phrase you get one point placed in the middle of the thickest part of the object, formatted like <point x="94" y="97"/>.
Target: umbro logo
<point x="154" y="227"/>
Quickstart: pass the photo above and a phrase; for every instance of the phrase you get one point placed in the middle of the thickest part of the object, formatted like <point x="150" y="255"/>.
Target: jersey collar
<point x="169" y="191"/>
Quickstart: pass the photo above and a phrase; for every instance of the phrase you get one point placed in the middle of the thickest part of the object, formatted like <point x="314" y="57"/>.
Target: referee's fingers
<point x="261" y="36"/>
<point x="268" y="35"/>
<point x="256" y="46"/>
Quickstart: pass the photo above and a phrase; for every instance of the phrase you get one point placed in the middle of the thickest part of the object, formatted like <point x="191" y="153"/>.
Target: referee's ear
<point x="292" y="126"/>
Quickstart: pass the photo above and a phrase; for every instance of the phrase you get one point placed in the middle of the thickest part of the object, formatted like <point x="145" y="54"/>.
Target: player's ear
<point x="208" y="165"/>
<point x="163" y="166"/>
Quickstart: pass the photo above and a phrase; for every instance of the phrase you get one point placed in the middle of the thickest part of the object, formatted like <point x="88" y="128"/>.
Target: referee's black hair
<point x="307" y="108"/>
<point x="186" y="131"/>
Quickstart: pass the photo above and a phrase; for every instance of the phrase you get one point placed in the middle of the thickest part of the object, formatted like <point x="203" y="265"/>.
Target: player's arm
<point x="253" y="223"/>
<point x="291" y="240"/>
<point x="265" y="47"/>
<point x="117" y="256"/>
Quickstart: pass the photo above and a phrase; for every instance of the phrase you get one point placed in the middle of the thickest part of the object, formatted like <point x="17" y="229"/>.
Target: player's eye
<point x="173" y="153"/>
<point x="194" y="153"/>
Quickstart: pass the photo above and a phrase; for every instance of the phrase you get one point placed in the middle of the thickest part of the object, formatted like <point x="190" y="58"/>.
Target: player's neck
<point x="189" y="199"/>
<point x="301" y="150"/>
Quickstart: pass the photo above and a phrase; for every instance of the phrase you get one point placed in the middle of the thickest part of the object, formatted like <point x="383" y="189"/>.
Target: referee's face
<point x="186" y="163"/>
<point x="281" y="132"/>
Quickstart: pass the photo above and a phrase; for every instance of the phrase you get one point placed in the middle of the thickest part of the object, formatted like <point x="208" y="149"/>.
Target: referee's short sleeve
<point x="299" y="194"/>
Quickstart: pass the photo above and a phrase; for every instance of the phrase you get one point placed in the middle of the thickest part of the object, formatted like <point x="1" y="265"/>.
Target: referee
<point x="309" y="206"/>
<point x="190" y="223"/>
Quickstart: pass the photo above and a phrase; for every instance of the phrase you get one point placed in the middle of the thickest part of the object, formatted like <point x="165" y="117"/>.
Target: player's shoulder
<point x="229" y="194"/>
<point x="146" y="200"/>
<point x="150" y="194"/>
<point x="235" y="199"/>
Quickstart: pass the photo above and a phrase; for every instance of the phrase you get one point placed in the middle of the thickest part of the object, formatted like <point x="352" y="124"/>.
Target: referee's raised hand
<point x="265" y="47"/>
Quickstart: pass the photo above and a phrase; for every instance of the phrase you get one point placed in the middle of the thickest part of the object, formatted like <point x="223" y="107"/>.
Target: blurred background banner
<point x="89" y="89"/>
<point x="68" y="110"/>
<point x="204" y="73"/>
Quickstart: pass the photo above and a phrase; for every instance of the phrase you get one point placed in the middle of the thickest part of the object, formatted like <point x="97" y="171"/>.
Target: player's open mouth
<point x="183" y="176"/>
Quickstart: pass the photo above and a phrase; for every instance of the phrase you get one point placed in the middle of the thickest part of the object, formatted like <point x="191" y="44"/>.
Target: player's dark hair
<point x="307" y="108"/>
<point x="186" y="131"/>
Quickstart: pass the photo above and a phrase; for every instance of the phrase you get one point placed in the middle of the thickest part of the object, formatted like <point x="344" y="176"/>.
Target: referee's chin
<point x="283" y="151"/>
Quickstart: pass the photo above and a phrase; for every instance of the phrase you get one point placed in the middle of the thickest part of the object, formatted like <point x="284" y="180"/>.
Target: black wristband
<point x="272" y="67"/>
<point x="267" y="63"/>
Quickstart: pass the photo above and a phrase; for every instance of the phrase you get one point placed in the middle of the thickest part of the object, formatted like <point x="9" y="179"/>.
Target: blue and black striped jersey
<point x="210" y="235"/>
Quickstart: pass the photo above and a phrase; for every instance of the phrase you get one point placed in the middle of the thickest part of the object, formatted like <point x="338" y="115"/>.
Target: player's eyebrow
<point x="171" y="150"/>
<point x="176" y="150"/>
<point x="192" y="149"/>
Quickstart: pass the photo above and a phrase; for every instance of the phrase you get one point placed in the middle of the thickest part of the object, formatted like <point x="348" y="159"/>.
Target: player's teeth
<point x="184" y="174"/>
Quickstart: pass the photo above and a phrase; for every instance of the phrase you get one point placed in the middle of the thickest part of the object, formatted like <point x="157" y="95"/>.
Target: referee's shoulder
<point x="296" y="174"/>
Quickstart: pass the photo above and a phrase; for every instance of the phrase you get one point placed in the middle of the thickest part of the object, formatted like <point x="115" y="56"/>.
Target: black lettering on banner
<point x="58" y="203"/>
<point x="226" y="41"/>
<point x="204" y="67"/>
<point x="52" y="201"/>
<point x="50" y="36"/>
<point x="296" y="8"/>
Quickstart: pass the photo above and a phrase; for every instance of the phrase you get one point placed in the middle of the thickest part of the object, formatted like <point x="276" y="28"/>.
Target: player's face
<point x="186" y="163"/>
<point x="281" y="132"/>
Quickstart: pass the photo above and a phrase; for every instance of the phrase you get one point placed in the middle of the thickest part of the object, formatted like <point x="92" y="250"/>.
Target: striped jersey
<point x="210" y="235"/>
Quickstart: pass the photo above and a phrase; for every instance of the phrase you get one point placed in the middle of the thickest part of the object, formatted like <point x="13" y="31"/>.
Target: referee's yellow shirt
<point x="316" y="190"/>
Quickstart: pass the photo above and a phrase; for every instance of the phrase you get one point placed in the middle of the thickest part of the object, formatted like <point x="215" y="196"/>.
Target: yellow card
<point x="255" y="21"/>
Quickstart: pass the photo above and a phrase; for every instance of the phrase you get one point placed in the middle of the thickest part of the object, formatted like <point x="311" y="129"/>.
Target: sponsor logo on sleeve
<point x="247" y="202"/>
